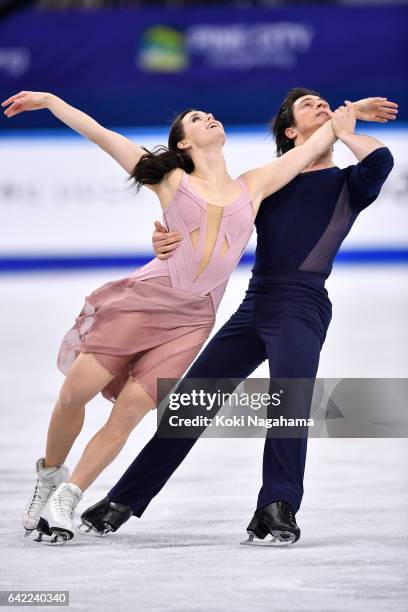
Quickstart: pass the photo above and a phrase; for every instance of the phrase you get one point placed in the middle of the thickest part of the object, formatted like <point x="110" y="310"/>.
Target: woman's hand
<point x="123" y="150"/>
<point x="26" y="101"/>
<point x="379" y="110"/>
<point x="344" y="120"/>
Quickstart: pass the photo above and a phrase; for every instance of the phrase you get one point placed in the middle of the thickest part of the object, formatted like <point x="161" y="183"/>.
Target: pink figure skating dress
<point x="153" y="323"/>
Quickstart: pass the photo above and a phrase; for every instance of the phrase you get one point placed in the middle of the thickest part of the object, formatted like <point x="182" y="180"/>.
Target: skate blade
<point x="58" y="539"/>
<point x="42" y="538"/>
<point x="56" y="534"/>
<point x="89" y="529"/>
<point x="107" y="530"/>
<point x="28" y="532"/>
<point x="84" y="528"/>
<point x="52" y="540"/>
<point x="39" y="538"/>
<point x="43" y="529"/>
<point x="279" y="538"/>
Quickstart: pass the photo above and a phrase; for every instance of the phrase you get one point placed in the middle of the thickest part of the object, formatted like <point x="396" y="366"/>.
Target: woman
<point x="153" y="323"/>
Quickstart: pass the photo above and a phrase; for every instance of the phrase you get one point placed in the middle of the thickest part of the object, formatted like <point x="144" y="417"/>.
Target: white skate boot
<point x="57" y="516"/>
<point x="48" y="480"/>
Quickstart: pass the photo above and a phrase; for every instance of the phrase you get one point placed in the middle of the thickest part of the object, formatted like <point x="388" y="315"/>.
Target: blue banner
<point x="139" y="67"/>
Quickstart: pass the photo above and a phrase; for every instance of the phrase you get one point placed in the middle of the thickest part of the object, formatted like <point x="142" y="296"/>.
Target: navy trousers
<point x="283" y="318"/>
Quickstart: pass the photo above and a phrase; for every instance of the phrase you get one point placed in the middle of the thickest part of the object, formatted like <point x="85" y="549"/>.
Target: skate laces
<point x="66" y="501"/>
<point x="40" y="495"/>
<point x="286" y="511"/>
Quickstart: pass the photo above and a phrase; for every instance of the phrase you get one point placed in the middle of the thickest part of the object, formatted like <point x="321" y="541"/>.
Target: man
<point x="285" y="314"/>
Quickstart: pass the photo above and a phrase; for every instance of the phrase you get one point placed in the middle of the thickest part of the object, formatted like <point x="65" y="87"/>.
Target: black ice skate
<point x="278" y="520"/>
<point x="104" y="517"/>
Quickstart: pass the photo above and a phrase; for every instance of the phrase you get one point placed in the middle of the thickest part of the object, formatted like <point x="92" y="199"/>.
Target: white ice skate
<point x="57" y="516"/>
<point x="48" y="480"/>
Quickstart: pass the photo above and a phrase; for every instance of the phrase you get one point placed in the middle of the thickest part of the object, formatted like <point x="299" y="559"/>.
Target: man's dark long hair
<point x="154" y="165"/>
<point x="285" y="118"/>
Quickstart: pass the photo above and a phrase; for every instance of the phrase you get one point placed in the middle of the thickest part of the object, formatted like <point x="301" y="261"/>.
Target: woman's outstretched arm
<point x="265" y="180"/>
<point x="123" y="150"/>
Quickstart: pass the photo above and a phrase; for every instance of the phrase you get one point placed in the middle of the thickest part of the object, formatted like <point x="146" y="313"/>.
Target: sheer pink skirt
<point x="144" y="330"/>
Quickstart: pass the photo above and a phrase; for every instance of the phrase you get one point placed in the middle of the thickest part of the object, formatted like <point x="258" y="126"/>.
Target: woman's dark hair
<point x="152" y="166"/>
<point x="285" y="118"/>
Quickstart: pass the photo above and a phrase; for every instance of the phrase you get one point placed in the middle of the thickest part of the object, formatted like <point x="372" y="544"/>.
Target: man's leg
<point x="234" y="352"/>
<point x="293" y="352"/>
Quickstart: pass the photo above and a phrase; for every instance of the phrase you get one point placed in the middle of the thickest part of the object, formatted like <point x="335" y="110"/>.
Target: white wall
<point x="62" y="195"/>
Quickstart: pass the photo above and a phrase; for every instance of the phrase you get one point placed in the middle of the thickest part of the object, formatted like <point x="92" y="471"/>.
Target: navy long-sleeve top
<point x="302" y="226"/>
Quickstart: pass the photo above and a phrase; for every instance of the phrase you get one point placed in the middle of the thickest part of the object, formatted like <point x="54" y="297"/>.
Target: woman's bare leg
<point x="84" y="380"/>
<point x="132" y="404"/>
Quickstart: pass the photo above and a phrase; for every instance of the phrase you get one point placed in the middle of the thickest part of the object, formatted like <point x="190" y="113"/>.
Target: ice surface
<point x="184" y="554"/>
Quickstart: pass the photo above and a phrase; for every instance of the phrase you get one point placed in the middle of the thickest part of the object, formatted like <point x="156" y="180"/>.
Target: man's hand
<point x="164" y="242"/>
<point x="344" y="120"/>
<point x="379" y="110"/>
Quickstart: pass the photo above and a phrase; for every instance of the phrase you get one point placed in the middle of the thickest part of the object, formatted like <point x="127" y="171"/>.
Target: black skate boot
<point x="278" y="520"/>
<point x="104" y="517"/>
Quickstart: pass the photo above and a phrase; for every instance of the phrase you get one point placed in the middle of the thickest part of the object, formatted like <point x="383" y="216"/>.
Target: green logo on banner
<point x="162" y="49"/>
